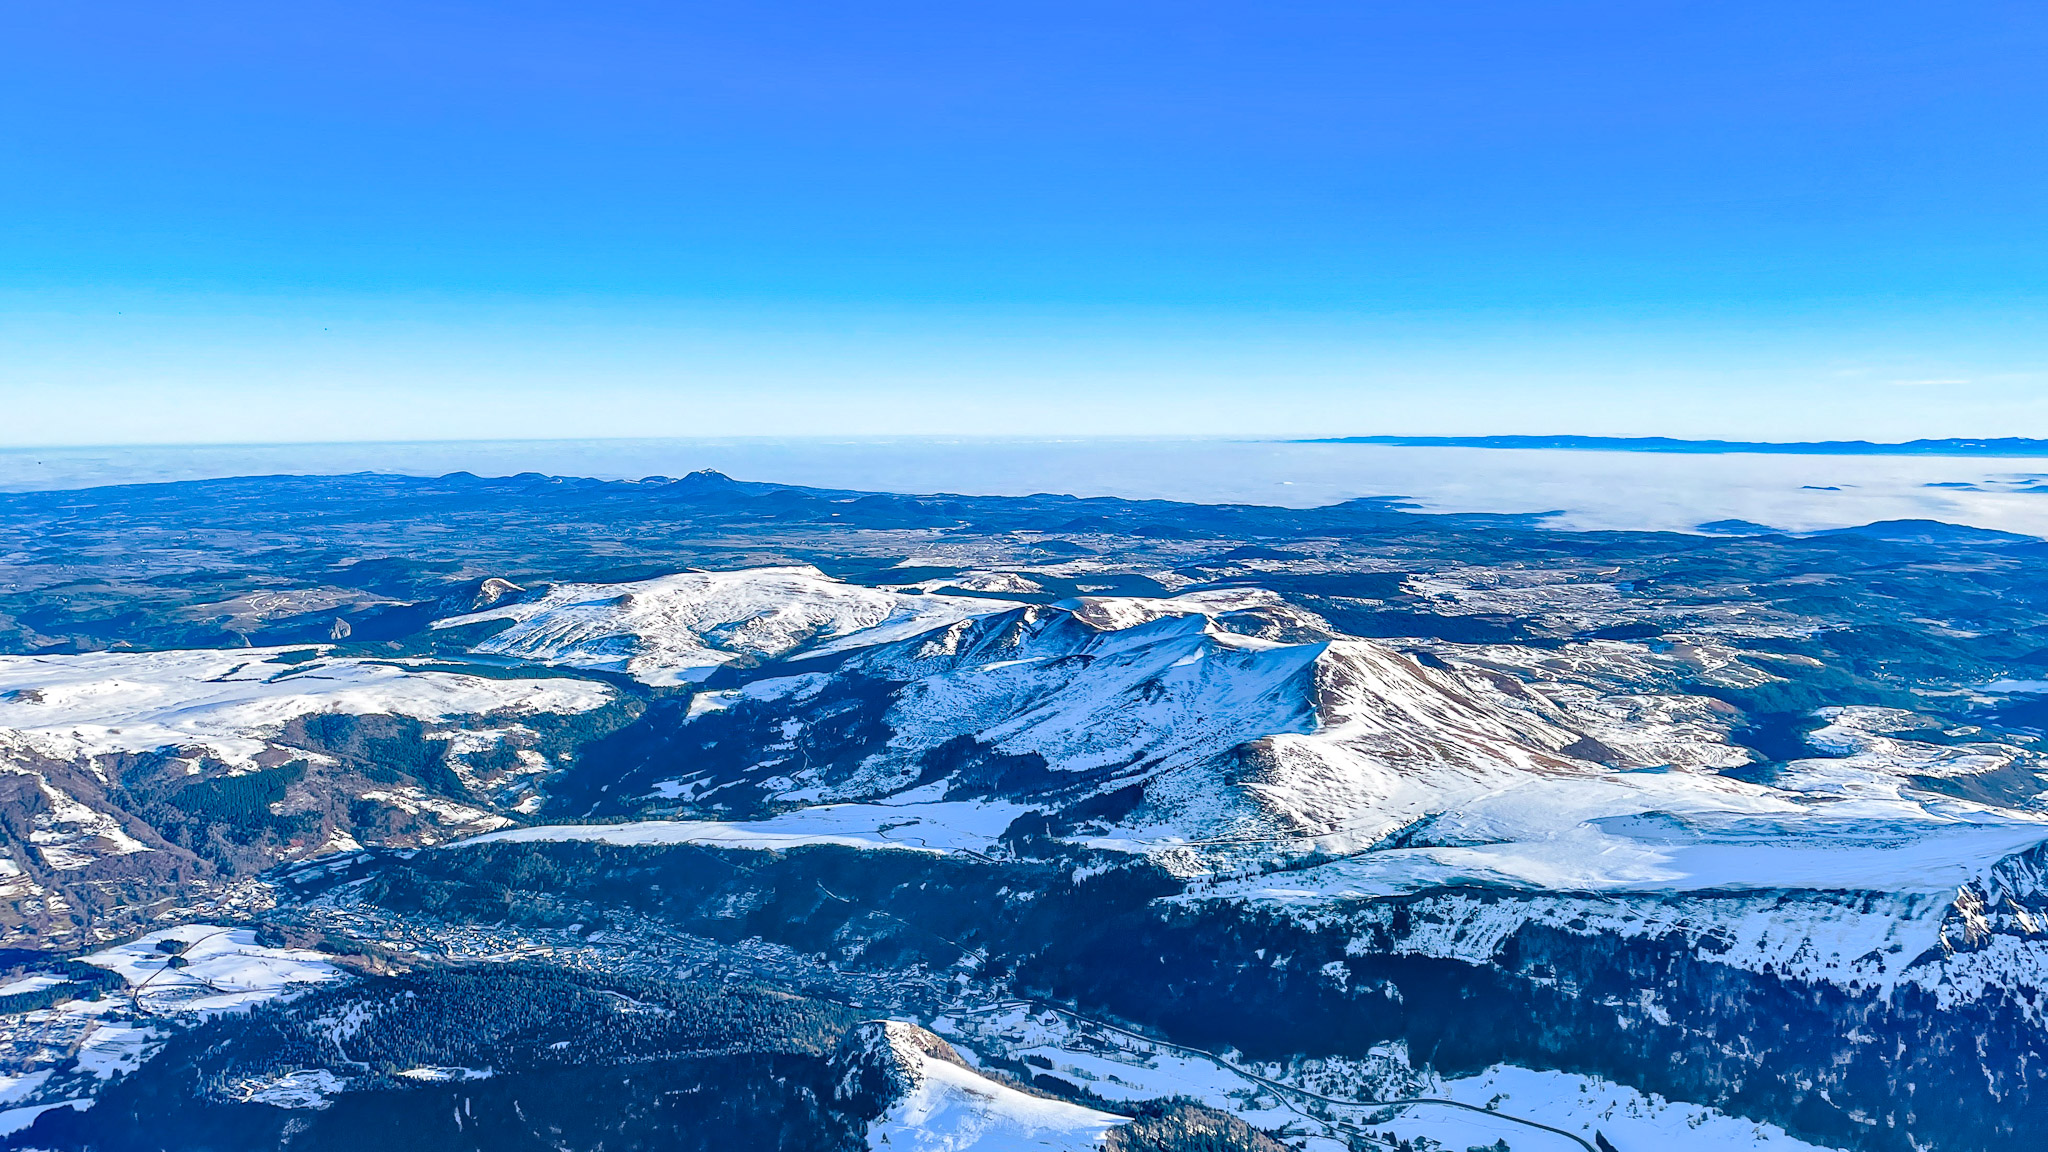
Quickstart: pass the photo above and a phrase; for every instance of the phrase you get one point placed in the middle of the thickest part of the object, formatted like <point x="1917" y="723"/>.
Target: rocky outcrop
<point x="879" y="1062"/>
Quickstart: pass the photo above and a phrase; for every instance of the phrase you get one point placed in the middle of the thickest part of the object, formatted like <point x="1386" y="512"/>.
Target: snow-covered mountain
<point x="185" y="768"/>
<point x="221" y="703"/>
<point x="925" y="1098"/>
<point x="1425" y="807"/>
<point x="676" y="629"/>
<point x="1162" y="726"/>
<point x="1587" y="833"/>
<point x="1080" y="700"/>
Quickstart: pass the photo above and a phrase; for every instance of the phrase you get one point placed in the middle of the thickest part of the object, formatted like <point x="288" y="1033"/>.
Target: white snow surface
<point x="13" y="1120"/>
<point x="1244" y="736"/>
<point x="221" y="700"/>
<point x="938" y="826"/>
<point x="1429" y="777"/>
<point x="15" y="1087"/>
<point x="1122" y="1067"/>
<point x="68" y="834"/>
<point x="953" y="1109"/>
<point x="675" y="629"/>
<point x="1586" y="1105"/>
<point x="438" y="1074"/>
<point x="312" y="1089"/>
<point x="116" y="1049"/>
<point x="225" y="970"/>
<point x="1351" y="747"/>
<point x="1674" y="832"/>
<point x="1872" y="744"/>
<point x="29" y="984"/>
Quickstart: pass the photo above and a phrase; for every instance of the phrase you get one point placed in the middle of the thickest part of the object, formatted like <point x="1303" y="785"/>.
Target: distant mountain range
<point x="1998" y="446"/>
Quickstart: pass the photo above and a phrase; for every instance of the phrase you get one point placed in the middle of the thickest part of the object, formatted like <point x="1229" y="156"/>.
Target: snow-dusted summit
<point x="1172" y="725"/>
<point x="931" y="1100"/>
<point x="676" y="629"/>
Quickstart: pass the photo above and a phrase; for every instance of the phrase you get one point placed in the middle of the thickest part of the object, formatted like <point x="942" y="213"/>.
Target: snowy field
<point x="939" y="826"/>
<point x="222" y="970"/>
<point x="1119" y="1066"/>
<point x="185" y="974"/>
<point x="98" y="703"/>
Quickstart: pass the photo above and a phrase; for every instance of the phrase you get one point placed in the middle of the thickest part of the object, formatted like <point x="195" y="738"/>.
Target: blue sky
<point x="327" y="221"/>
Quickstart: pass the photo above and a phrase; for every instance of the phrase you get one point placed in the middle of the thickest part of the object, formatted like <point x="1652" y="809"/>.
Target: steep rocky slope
<point x="128" y="778"/>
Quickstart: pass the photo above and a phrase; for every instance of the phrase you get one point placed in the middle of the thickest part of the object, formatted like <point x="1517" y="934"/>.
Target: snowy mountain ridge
<point x="1216" y="743"/>
<point x="931" y="1100"/>
<point x="219" y="703"/>
<point x="676" y="629"/>
<point x="113" y="760"/>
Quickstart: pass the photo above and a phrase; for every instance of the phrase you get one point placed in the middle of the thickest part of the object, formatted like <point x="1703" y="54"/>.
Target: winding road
<point x="1276" y="1085"/>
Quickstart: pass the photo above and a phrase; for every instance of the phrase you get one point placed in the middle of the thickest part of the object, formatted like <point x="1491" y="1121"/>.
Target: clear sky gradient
<point x="228" y="222"/>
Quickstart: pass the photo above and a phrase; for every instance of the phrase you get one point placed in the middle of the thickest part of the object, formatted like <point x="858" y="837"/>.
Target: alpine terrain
<point x="548" y="813"/>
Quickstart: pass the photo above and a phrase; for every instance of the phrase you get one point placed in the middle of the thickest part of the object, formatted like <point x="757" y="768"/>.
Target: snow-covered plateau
<point x="676" y="629"/>
<point x="220" y="703"/>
